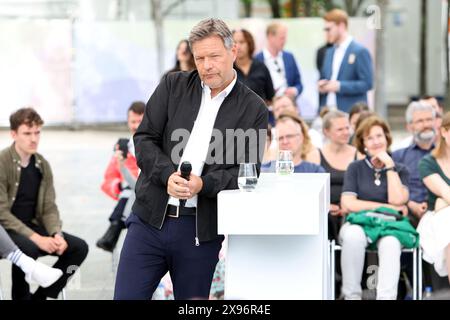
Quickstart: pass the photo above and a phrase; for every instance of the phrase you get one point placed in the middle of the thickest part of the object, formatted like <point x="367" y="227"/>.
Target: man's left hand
<point x="329" y="86"/>
<point x="291" y="92"/>
<point x="195" y="184"/>
<point x="62" y="244"/>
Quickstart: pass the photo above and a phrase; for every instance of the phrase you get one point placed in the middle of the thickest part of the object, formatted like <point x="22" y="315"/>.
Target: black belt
<point x="175" y="212"/>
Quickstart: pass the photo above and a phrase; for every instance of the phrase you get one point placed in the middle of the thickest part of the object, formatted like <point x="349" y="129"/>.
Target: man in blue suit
<point x="347" y="73"/>
<point x="281" y="64"/>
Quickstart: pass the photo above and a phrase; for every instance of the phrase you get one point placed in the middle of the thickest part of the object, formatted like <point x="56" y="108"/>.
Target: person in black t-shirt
<point x="28" y="210"/>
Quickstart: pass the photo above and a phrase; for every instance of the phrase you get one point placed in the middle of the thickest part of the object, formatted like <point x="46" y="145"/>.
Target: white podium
<point x="277" y="238"/>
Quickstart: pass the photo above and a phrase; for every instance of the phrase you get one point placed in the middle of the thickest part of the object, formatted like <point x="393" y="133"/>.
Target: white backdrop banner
<point x="90" y="72"/>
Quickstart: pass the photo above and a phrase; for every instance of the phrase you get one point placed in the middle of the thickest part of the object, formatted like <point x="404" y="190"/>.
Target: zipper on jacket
<point x="197" y="241"/>
<point x="164" y="215"/>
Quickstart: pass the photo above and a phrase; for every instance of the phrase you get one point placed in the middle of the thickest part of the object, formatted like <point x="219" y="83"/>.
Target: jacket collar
<point x="16" y="158"/>
<point x="225" y="92"/>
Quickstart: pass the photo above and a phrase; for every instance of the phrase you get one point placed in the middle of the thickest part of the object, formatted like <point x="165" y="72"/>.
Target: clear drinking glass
<point x="284" y="164"/>
<point x="247" y="178"/>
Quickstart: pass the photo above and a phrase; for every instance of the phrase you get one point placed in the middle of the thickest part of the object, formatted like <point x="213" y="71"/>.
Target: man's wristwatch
<point x="393" y="168"/>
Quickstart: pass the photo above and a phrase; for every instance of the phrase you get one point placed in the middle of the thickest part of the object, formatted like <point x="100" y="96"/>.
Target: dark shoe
<point x="109" y="240"/>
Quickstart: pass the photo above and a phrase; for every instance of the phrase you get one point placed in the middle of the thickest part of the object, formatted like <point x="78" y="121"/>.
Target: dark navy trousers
<point x="148" y="253"/>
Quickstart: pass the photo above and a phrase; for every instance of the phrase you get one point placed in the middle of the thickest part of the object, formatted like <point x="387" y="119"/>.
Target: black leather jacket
<point x="173" y="105"/>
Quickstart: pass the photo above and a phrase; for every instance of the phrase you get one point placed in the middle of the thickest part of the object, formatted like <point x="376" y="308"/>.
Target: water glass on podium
<point x="247" y="178"/>
<point x="284" y="164"/>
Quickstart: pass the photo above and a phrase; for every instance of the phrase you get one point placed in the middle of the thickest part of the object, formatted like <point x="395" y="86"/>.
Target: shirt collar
<point x="344" y="45"/>
<point x="268" y="55"/>
<point x="16" y="157"/>
<point x="414" y="145"/>
<point x="225" y="92"/>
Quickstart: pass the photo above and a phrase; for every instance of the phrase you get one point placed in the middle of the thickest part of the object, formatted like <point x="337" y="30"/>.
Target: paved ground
<point x="78" y="159"/>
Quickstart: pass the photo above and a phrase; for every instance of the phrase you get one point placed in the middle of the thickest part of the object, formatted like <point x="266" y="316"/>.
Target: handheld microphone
<point x="185" y="170"/>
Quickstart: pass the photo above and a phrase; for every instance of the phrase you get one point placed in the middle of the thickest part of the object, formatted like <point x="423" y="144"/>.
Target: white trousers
<point x="354" y="242"/>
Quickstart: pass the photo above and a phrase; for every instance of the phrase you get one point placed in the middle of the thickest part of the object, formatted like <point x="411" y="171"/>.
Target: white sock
<point x="21" y="260"/>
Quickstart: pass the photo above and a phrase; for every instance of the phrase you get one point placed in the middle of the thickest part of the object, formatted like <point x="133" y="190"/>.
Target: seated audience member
<point x="269" y="151"/>
<point x="292" y="134"/>
<point x="354" y="114"/>
<point x="374" y="182"/>
<point x="437" y="107"/>
<point x="335" y="157"/>
<point x="35" y="272"/>
<point x="420" y="119"/>
<point x="119" y="181"/>
<point x="28" y="211"/>
<point x="429" y="100"/>
<point x="283" y="104"/>
<point x="434" y="227"/>
<point x="363" y="115"/>
<point x="316" y="130"/>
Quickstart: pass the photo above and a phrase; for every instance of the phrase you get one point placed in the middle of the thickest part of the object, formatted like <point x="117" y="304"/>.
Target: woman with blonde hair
<point x="335" y="156"/>
<point x="434" y="227"/>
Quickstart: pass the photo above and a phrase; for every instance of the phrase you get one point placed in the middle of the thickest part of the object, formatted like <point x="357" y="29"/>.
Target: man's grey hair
<point x="418" y="106"/>
<point x="211" y="27"/>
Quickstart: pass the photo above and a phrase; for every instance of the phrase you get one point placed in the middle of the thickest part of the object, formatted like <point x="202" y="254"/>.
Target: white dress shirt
<point x="277" y="71"/>
<point x="198" y="144"/>
<point x="338" y="57"/>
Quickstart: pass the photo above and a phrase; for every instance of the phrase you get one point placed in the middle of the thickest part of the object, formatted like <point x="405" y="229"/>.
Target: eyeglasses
<point x="288" y="137"/>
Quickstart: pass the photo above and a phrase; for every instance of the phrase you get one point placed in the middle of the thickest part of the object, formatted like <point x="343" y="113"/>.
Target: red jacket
<point x="113" y="177"/>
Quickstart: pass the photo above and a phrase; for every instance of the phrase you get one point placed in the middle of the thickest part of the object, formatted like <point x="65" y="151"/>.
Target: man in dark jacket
<point x="173" y="226"/>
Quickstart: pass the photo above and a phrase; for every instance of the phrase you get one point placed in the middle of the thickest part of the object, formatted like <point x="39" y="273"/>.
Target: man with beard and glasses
<point x="421" y="123"/>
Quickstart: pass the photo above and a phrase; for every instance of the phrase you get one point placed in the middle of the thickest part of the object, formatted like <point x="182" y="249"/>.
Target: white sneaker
<point x="43" y="275"/>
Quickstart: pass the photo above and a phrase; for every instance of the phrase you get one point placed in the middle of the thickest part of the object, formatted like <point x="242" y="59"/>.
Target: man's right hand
<point x="177" y="186"/>
<point x="47" y="244"/>
<point x="336" y="210"/>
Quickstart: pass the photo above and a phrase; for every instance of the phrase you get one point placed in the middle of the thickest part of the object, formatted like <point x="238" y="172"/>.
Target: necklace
<point x="377" y="180"/>
<point x="377" y="173"/>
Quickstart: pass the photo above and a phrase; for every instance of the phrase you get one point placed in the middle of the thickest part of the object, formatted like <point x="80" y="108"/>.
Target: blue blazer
<point x="293" y="77"/>
<point x="355" y="76"/>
